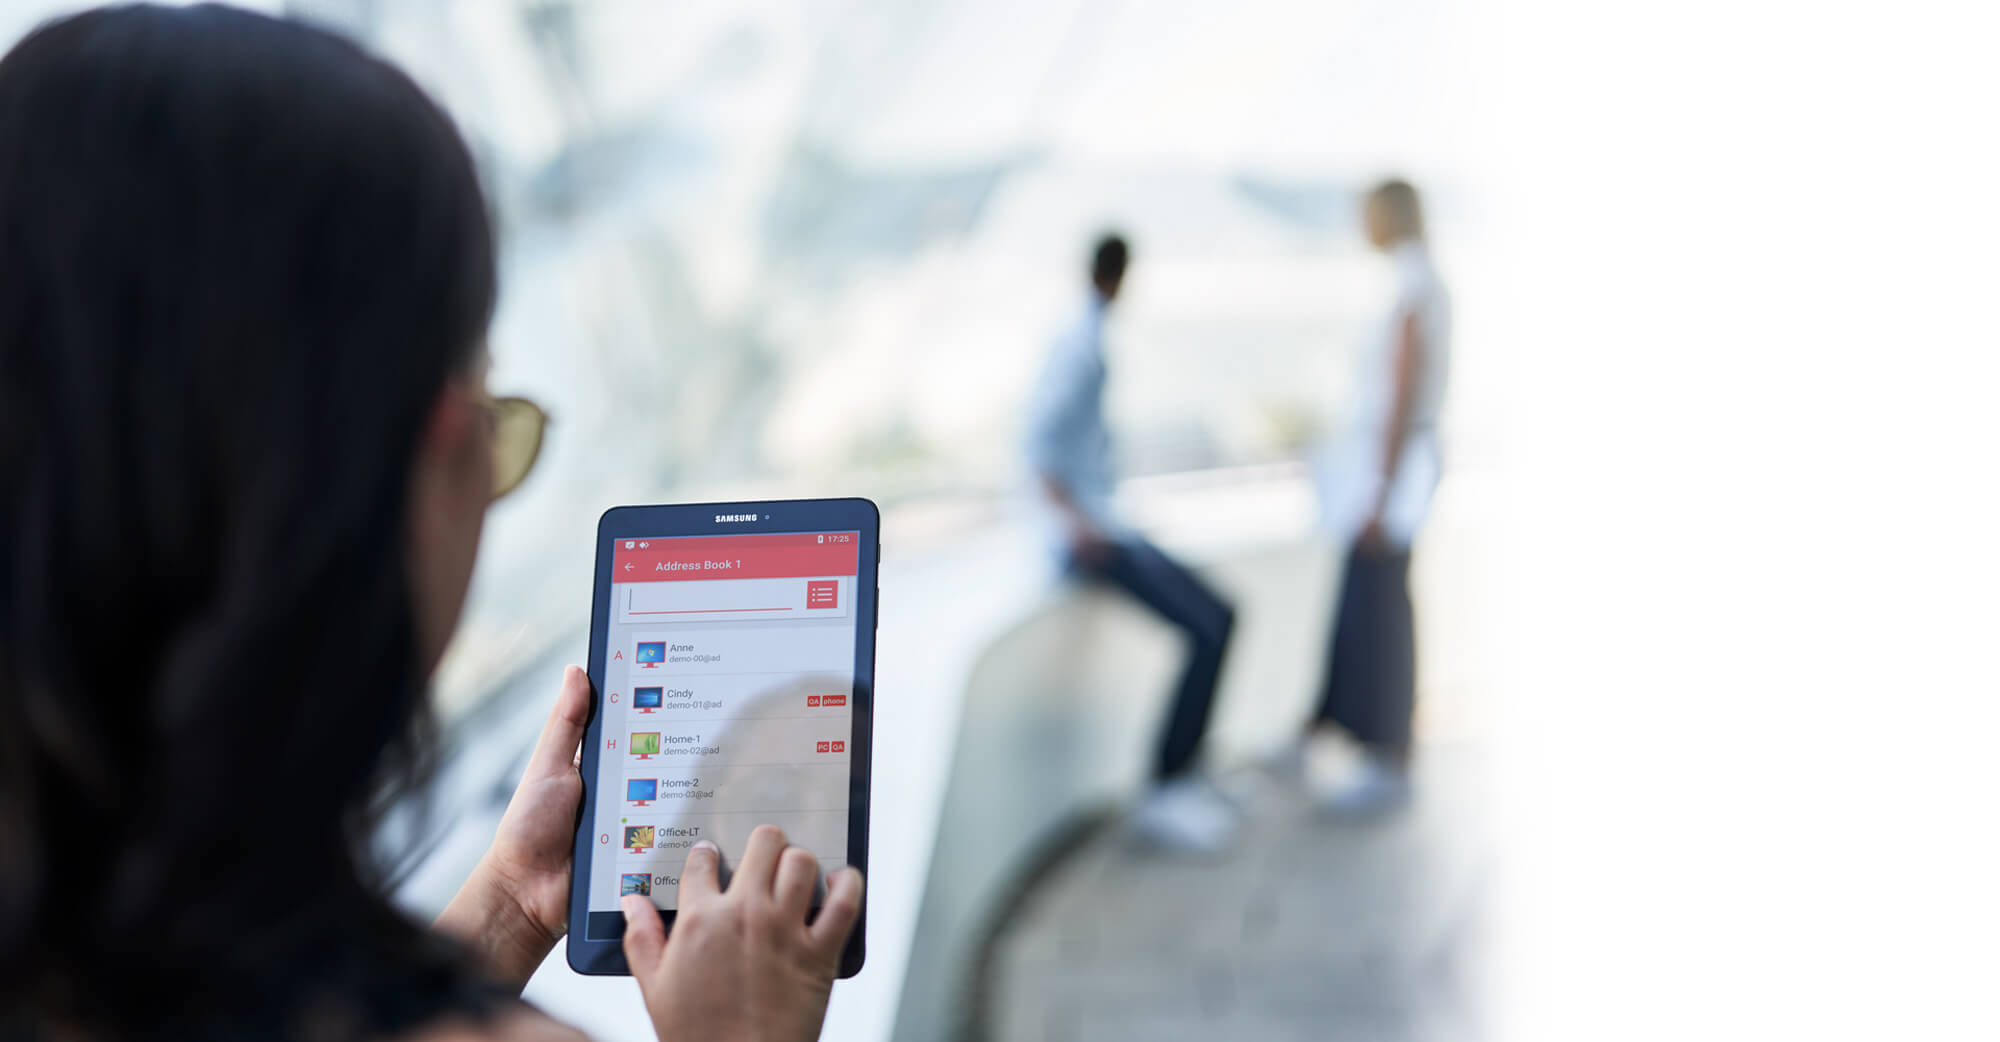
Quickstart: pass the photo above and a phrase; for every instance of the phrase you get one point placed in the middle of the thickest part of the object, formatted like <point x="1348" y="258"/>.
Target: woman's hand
<point x="743" y="965"/>
<point x="516" y="905"/>
<point x="1374" y="539"/>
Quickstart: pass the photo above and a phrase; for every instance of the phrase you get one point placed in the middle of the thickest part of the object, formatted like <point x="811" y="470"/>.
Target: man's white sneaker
<point x="1184" y="816"/>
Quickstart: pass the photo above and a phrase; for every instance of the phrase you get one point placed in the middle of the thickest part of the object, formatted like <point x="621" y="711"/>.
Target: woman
<point x="1377" y="495"/>
<point x="245" y="275"/>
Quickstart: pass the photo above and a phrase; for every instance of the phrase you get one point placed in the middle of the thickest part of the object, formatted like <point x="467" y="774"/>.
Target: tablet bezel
<point x="606" y="957"/>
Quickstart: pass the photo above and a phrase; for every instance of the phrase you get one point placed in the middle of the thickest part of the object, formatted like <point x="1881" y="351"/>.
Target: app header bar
<point x="697" y="558"/>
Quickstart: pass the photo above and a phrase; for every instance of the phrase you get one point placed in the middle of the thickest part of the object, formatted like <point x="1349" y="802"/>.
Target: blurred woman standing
<point x="1377" y="489"/>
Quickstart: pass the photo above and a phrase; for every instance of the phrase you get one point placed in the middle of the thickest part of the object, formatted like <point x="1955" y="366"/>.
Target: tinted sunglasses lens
<point x="517" y="440"/>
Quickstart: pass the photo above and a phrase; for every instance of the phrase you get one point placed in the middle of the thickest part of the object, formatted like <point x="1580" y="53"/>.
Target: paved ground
<point x="1308" y="929"/>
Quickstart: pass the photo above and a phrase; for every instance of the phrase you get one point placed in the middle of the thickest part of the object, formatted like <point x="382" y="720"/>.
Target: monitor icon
<point x="640" y="837"/>
<point x="651" y="653"/>
<point x="645" y="744"/>
<point x="641" y="791"/>
<point x="646" y="699"/>
<point x="640" y="883"/>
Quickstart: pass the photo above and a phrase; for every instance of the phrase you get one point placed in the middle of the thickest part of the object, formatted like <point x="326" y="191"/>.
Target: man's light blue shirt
<point x="1068" y="439"/>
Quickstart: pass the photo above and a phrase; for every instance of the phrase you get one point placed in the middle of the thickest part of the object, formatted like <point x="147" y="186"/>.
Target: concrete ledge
<point x="1058" y="722"/>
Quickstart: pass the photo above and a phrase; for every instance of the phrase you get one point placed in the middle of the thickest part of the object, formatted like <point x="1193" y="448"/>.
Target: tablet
<point x="732" y="661"/>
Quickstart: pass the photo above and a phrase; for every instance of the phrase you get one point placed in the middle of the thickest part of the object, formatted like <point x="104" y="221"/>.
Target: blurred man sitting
<point x="1069" y="447"/>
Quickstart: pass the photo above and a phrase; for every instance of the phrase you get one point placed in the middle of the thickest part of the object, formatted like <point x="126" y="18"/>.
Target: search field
<point x="733" y="600"/>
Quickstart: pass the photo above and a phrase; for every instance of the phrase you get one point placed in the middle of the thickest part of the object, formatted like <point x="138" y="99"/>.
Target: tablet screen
<point x="726" y="703"/>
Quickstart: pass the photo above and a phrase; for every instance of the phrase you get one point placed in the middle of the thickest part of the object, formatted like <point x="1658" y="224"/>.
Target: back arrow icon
<point x="628" y="566"/>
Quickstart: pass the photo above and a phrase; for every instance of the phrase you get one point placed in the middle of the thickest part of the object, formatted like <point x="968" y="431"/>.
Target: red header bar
<point x="736" y="557"/>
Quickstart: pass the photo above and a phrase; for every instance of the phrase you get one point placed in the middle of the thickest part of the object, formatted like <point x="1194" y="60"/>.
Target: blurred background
<point x="797" y="249"/>
<point x="775" y="249"/>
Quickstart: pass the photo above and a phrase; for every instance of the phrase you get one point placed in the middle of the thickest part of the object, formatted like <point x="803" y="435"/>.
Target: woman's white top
<point x="1350" y="467"/>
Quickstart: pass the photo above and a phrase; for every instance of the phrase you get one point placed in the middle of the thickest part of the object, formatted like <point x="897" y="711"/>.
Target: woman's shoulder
<point x="519" y="1024"/>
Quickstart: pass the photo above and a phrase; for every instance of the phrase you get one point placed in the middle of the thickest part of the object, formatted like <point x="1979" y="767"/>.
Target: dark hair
<point x="1108" y="260"/>
<point x="239" y="259"/>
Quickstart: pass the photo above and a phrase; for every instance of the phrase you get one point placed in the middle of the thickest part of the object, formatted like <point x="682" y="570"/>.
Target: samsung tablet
<point x="732" y="661"/>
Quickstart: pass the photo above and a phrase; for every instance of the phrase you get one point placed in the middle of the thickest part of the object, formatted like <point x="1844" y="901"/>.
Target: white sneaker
<point x="1328" y="759"/>
<point x="1370" y="788"/>
<point x="1184" y="816"/>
